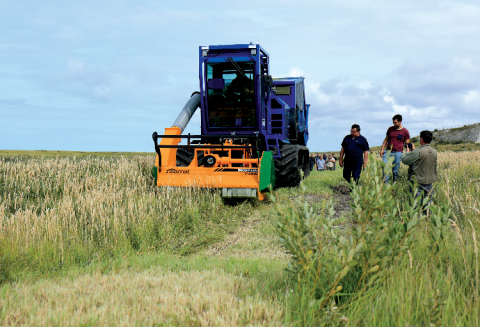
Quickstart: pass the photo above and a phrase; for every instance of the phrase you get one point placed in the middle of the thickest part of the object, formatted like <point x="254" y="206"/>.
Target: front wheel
<point x="294" y="159"/>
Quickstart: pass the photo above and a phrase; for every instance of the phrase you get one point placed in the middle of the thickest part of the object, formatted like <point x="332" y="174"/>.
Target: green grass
<point x="173" y="232"/>
<point x="268" y="273"/>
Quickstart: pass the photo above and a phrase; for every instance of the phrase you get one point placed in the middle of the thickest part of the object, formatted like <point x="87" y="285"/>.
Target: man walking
<point x="397" y="137"/>
<point x="422" y="163"/>
<point x="355" y="149"/>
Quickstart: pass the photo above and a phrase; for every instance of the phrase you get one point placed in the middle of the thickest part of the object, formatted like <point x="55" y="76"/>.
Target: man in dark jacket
<point x="422" y="164"/>
<point x="355" y="148"/>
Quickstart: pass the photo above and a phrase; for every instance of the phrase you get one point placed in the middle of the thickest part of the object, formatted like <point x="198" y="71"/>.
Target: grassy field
<point x="89" y="241"/>
<point x="27" y="154"/>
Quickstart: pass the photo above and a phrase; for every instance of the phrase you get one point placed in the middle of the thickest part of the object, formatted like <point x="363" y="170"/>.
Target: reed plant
<point x="56" y="212"/>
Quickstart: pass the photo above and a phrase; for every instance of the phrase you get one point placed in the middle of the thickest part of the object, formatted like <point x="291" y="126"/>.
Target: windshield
<point x="231" y="94"/>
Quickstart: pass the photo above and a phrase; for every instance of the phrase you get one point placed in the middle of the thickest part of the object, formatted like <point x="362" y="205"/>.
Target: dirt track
<point x="253" y="238"/>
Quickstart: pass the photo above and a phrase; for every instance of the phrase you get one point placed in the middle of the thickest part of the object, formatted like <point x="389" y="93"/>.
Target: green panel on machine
<point x="155" y="174"/>
<point x="267" y="172"/>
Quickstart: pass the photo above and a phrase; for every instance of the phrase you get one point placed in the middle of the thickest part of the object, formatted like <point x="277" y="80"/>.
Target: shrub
<point x="327" y="266"/>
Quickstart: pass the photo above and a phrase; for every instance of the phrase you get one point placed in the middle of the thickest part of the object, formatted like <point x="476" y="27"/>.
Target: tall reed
<point x="55" y="212"/>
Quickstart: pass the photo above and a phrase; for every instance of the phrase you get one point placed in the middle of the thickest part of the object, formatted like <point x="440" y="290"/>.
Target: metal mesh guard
<point x="239" y="192"/>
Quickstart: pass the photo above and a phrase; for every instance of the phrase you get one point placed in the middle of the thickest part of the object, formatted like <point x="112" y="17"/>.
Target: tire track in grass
<point x="254" y="238"/>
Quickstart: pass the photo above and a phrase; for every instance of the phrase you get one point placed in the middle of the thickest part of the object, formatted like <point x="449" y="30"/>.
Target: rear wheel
<point x="185" y="157"/>
<point x="287" y="168"/>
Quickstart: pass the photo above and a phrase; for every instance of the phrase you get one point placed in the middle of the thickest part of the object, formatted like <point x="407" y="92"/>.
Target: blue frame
<point x="268" y="115"/>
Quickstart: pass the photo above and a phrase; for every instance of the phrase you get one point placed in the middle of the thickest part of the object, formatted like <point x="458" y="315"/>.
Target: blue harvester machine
<point x="254" y="128"/>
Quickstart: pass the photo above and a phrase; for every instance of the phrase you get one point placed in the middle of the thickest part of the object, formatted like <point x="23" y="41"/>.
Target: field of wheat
<point x="62" y="211"/>
<point x="59" y="213"/>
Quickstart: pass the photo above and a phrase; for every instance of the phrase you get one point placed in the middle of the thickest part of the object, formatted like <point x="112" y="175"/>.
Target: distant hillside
<point x="467" y="133"/>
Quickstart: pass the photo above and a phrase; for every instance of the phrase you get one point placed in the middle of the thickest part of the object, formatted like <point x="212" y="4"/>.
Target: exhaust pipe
<point x="187" y="112"/>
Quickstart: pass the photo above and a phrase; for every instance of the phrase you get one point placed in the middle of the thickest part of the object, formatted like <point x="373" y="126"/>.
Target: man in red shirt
<point x="397" y="137"/>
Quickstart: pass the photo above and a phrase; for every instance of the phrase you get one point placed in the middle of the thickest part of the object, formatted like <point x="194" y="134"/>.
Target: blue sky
<point x="103" y="75"/>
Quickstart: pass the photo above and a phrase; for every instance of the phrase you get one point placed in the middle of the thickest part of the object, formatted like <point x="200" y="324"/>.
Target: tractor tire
<point x="185" y="157"/>
<point x="287" y="168"/>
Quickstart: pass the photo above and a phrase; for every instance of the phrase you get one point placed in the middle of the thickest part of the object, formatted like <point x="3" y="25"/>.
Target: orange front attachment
<point x="226" y="172"/>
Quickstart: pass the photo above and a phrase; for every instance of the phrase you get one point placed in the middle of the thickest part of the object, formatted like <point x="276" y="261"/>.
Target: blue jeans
<point x="396" y="161"/>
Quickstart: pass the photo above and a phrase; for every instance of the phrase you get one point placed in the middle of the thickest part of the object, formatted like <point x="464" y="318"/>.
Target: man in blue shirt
<point x="320" y="164"/>
<point x="355" y="149"/>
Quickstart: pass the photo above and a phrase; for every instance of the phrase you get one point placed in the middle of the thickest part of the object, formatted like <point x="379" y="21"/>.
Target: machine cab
<point x="230" y="87"/>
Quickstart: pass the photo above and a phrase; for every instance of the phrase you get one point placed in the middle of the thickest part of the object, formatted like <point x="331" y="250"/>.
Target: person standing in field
<point x="320" y="163"/>
<point x="312" y="161"/>
<point x="330" y="162"/>
<point x="354" y="154"/>
<point x="334" y="161"/>
<point x="397" y="137"/>
<point x="422" y="164"/>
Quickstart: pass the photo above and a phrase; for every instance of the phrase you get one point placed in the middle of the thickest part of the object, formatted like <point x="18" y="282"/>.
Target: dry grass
<point x="57" y="213"/>
<point x="56" y="199"/>
<point x="67" y="210"/>
<point x="26" y="154"/>
<point x="59" y="210"/>
<point x="148" y="298"/>
<point x="458" y="184"/>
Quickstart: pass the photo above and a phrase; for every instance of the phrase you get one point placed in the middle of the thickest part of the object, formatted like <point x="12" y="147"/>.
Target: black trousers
<point x="352" y="170"/>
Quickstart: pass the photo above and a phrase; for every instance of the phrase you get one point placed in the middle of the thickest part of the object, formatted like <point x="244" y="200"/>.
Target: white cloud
<point x="472" y="98"/>
<point x="427" y="95"/>
<point x="294" y="72"/>
<point x="365" y="85"/>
